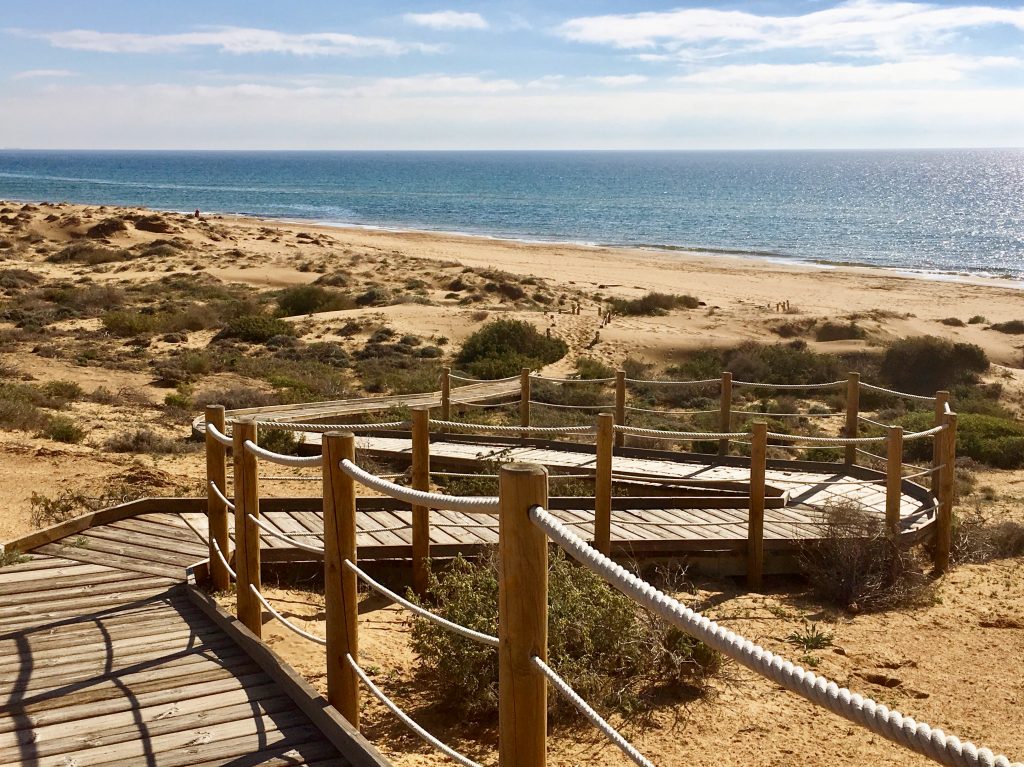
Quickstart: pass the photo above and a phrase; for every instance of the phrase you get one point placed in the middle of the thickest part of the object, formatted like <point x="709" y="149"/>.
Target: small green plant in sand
<point x="615" y="654"/>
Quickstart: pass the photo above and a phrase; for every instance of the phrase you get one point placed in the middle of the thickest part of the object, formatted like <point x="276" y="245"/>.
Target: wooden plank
<point x="334" y="727"/>
<point x="84" y="554"/>
<point x="142" y="547"/>
<point x="72" y="587"/>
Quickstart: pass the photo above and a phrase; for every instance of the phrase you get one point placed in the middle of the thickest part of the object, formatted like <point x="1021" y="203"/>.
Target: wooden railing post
<point x="852" y="414"/>
<point x="340" y="584"/>
<point x="941" y="400"/>
<point x="524" y="398"/>
<point x="603" y="484"/>
<point x="893" y="482"/>
<point x="216" y="510"/>
<point x="755" y="518"/>
<point x="522" y="618"/>
<point x="947" y="489"/>
<point x="620" y="405"/>
<point x="725" y="413"/>
<point x="247" y="538"/>
<point x="446" y="394"/>
<point x="420" y="514"/>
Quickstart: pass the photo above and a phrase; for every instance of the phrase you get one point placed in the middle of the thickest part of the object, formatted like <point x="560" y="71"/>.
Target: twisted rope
<point x="326" y="427"/>
<point x="406" y="719"/>
<point x="223" y="498"/>
<point x="483" y="505"/>
<point x="270" y="609"/>
<point x="469" y="633"/>
<point x="571" y="407"/>
<point x="513" y="430"/>
<point x="792" y="387"/>
<point x="903" y="394"/>
<point x="457" y="377"/>
<point x="893" y="725"/>
<point x="851" y="440"/>
<point x="280" y="458"/>
<point x="636" y="431"/>
<point x="218" y="435"/>
<point x="701" y="382"/>
<point x="291" y="541"/>
<point x="571" y="380"/>
<point x="595" y="719"/>
<point x="223" y="560"/>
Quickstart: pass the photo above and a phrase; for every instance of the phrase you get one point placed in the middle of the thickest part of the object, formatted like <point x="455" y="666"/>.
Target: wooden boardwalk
<point x="640" y="526"/>
<point x="110" y="657"/>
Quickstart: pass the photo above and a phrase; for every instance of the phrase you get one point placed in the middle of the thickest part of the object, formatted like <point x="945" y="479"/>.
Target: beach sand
<point x="958" y="663"/>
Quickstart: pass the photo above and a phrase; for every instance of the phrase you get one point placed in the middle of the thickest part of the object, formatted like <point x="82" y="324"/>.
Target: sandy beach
<point x="57" y="259"/>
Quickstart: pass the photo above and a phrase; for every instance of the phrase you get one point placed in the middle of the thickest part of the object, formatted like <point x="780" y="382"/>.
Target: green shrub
<point x="926" y="364"/>
<point x="278" y="440"/>
<point x="783" y="363"/>
<point x="143" y="441"/>
<point x="255" y="329"/>
<point x="502" y="348"/>
<point x="65" y="391"/>
<point x="128" y="323"/>
<point x="19" y="408"/>
<point x="987" y="439"/>
<point x="606" y="647"/>
<point x="63" y="429"/>
<point x="652" y="304"/>
<point x="838" y="331"/>
<point x="1014" y="327"/>
<point x="88" y="253"/>
<point x="588" y="367"/>
<point x="309" y="299"/>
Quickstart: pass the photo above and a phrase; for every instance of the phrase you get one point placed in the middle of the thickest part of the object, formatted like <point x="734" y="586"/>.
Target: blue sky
<point x="323" y="74"/>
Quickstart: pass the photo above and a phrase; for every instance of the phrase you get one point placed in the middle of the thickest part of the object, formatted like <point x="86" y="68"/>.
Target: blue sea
<point x="936" y="211"/>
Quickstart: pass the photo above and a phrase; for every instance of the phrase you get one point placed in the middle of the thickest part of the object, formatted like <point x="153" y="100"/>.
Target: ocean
<point x="932" y="211"/>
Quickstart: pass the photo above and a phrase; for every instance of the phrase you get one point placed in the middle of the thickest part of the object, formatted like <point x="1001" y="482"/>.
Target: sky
<point x="517" y="74"/>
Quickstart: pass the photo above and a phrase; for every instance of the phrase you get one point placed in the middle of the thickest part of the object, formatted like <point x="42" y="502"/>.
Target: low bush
<point x="926" y="364"/>
<point x="503" y="347"/>
<point x="309" y="299"/>
<point x="255" y="329"/>
<point x="63" y="429"/>
<point x="977" y="538"/>
<point x="616" y="655"/>
<point x="1014" y="327"/>
<point x="851" y="564"/>
<point x="19" y="408"/>
<point x="64" y="391"/>
<point x="88" y="253"/>
<point x="953" y="322"/>
<point x="143" y="441"/>
<point x="589" y="368"/>
<point x="128" y="323"/>
<point x="838" y="331"/>
<point x="652" y="304"/>
<point x="987" y="439"/>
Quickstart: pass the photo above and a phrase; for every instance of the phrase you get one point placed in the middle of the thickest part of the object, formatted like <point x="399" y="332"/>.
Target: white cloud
<point x="447" y="20"/>
<point x="257" y="116"/>
<point x="236" y="40"/>
<point x="34" y="74"/>
<point x="930" y="69"/>
<point x="619" y="81"/>
<point x="858" y="27"/>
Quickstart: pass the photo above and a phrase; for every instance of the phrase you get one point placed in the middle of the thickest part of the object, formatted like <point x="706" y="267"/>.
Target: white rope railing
<point x="702" y="382"/>
<point x="507" y="379"/>
<point x="282" y="537"/>
<point x="482" y="505"/>
<point x="476" y="636"/>
<point x="223" y="498"/>
<point x="271" y="478"/>
<point x="484" y="405"/>
<point x="270" y="609"/>
<point x="513" y="430"/>
<point x="280" y="458"/>
<point x="592" y="716"/>
<point x="406" y="719"/>
<point x="218" y="435"/>
<point x="636" y="431"/>
<point x="572" y="407"/>
<point x="535" y="377"/>
<point x="326" y="427"/>
<point x="893" y="725"/>
<point x="790" y="387"/>
<point x="851" y="440"/>
<point x="894" y="392"/>
<point x="220" y="555"/>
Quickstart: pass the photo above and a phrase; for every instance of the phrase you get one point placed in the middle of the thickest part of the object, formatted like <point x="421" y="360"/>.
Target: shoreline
<point x="809" y="263"/>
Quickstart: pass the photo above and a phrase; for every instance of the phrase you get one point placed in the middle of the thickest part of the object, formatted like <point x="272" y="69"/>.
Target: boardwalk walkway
<point x="110" y="657"/>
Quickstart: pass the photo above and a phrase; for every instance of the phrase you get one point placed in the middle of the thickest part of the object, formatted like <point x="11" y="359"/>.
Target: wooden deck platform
<point x="110" y="657"/>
